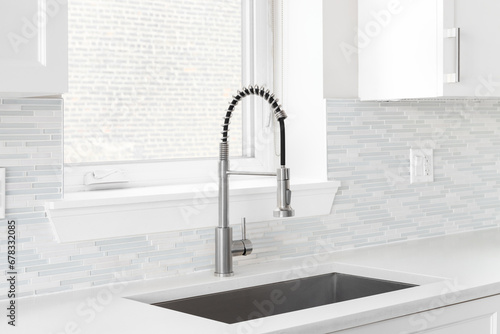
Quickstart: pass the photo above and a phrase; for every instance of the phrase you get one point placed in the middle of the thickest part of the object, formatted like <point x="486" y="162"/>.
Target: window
<point x="150" y="81"/>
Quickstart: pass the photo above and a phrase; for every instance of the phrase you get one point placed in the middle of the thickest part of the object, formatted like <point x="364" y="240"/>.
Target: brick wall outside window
<point x="151" y="79"/>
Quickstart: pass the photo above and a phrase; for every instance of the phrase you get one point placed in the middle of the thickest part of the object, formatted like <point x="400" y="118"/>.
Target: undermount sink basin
<point x="272" y="299"/>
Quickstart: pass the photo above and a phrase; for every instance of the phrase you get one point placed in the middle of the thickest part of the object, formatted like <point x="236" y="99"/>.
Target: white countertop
<point x="449" y="270"/>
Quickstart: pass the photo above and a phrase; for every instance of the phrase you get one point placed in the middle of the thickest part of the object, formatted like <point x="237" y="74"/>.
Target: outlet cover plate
<point x="421" y="165"/>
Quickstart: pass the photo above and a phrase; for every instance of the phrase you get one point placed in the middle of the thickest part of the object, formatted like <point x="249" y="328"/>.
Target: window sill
<point x="126" y="212"/>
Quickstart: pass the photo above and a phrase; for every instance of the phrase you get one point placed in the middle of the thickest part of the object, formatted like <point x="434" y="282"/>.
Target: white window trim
<point x="259" y="55"/>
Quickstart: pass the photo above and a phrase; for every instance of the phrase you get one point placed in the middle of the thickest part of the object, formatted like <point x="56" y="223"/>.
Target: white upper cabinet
<point x="33" y="47"/>
<point x="428" y="48"/>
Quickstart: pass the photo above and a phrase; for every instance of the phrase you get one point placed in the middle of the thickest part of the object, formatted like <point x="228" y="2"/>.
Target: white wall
<point x="303" y="86"/>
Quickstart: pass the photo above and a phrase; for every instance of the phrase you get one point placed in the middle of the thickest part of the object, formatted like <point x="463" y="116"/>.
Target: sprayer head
<point x="284" y="194"/>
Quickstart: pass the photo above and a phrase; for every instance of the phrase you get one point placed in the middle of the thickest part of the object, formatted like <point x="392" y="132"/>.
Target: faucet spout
<point x="225" y="247"/>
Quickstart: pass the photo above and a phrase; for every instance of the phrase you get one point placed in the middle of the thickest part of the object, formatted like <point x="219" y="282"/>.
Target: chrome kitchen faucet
<point x="225" y="246"/>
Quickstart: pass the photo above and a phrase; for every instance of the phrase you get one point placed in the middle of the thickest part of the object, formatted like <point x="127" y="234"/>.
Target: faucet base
<point x="223" y="275"/>
<point x="223" y="255"/>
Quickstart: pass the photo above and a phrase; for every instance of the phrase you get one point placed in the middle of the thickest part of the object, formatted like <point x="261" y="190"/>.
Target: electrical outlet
<point x="2" y="193"/>
<point x="421" y="165"/>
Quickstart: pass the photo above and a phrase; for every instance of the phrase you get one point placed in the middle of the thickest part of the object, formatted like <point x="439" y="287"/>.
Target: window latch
<point x="105" y="179"/>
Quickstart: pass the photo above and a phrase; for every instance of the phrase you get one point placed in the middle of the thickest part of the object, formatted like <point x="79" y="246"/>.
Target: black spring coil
<point x="279" y="113"/>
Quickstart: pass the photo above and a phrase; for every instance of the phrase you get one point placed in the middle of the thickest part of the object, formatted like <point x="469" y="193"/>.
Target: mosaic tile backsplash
<point x="368" y="151"/>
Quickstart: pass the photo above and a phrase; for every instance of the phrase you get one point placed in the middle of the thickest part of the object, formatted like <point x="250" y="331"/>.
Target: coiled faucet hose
<point x="279" y="113"/>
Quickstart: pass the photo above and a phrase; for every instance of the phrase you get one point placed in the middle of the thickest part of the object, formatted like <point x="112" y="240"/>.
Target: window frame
<point x="84" y="216"/>
<point x="257" y="51"/>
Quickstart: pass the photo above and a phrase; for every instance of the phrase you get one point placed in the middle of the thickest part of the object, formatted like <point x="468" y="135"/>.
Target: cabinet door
<point x="399" y="50"/>
<point x="478" y="317"/>
<point x="33" y="47"/>
<point x="411" y="49"/>
<point x="479" y="47"/>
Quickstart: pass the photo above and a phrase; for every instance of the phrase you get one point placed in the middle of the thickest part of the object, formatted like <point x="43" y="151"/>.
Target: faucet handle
<point x="244" y="246"/>
<point x="243" y="228"/>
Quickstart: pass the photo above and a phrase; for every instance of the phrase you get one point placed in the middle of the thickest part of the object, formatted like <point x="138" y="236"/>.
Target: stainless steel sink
<point x="271" y="299"/>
